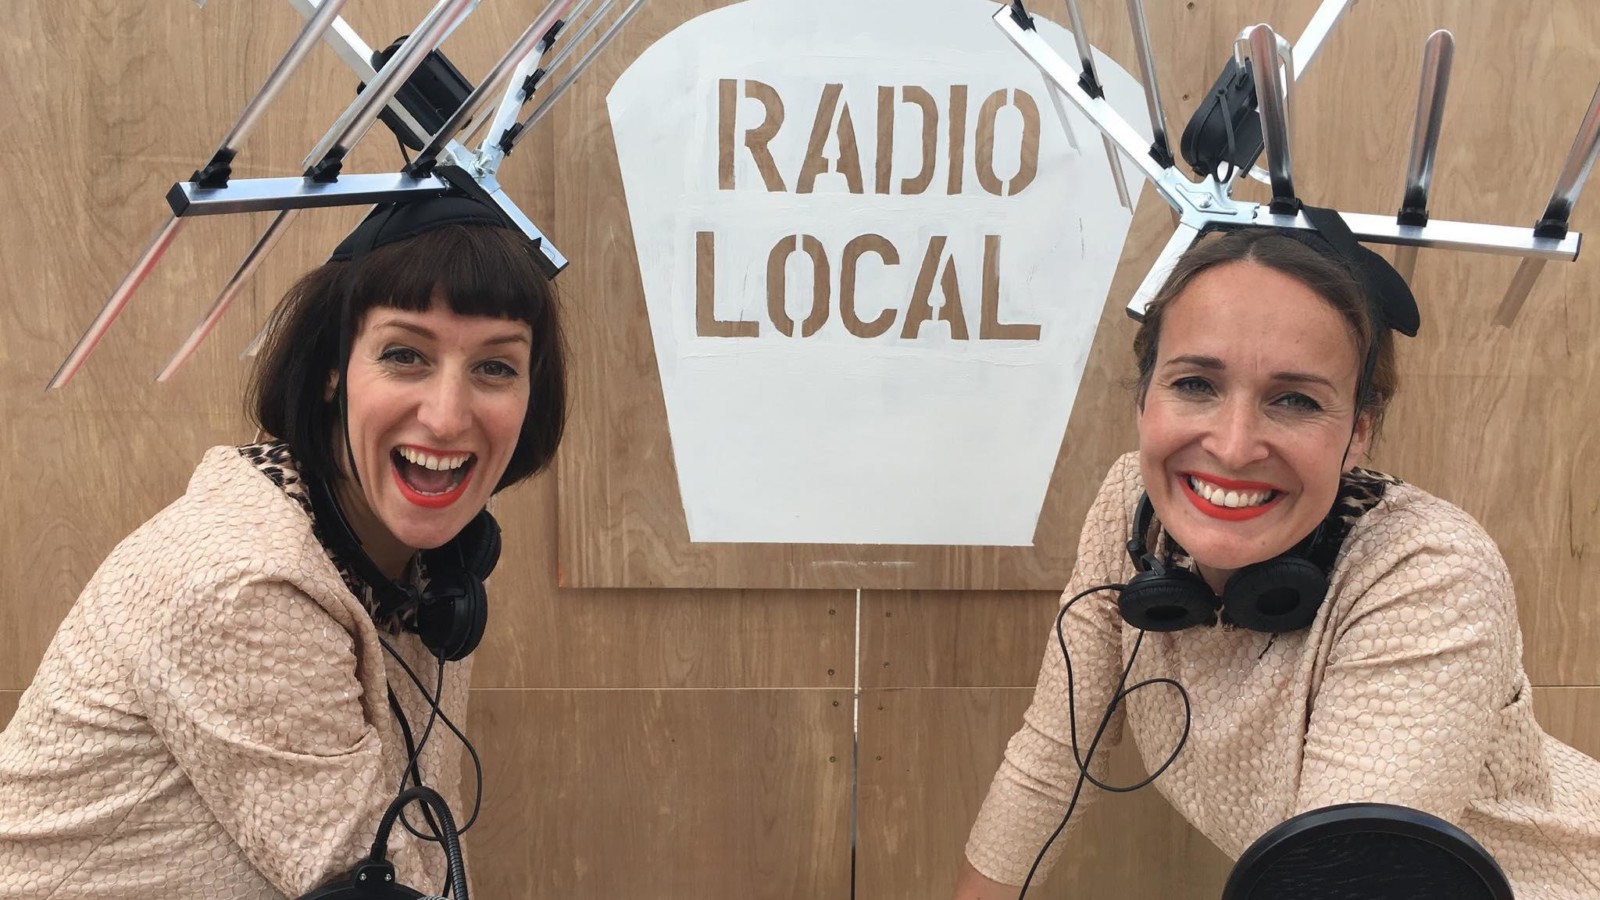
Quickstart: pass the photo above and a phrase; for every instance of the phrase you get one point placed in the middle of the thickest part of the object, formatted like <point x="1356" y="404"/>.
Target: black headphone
<point x="452" y="611"/>
<point x="1275" y="596"/>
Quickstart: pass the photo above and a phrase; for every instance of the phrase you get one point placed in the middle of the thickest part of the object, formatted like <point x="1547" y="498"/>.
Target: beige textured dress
<point x="212" y="718"/>
<point x="1407" y="689"/>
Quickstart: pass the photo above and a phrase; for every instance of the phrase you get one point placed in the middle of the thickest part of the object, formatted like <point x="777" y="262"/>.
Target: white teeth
<point x="437" y="462"/>
<point x="1230" y="499"/>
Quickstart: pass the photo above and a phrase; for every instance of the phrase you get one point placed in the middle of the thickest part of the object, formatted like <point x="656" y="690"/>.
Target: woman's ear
<point x="332" y="386"/>
<point x="1360" y="441"/>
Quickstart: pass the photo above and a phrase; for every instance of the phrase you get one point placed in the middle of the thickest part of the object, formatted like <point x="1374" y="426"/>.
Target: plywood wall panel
<point x="927" y="757"/>
<point x="677" y="795"/>
<point x="79" y="479"/>
<point x="640" y="698"/>
<point x="1570" y="715"/>
<point x="545" y="635"/>
<point x="1585" y="497"/>
<point x="953" y="639"/>
<point x="1555" y="598"/>
<point x="8" y="705"/>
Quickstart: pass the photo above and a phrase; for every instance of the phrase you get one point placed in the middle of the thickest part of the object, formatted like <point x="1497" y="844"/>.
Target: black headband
<point x="466" y="204"/>
<point x="1392" y="303"/>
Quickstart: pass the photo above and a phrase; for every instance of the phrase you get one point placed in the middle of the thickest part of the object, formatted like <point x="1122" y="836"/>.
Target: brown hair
<point x="478" y="270"/>
<point x="1329" y="276"/>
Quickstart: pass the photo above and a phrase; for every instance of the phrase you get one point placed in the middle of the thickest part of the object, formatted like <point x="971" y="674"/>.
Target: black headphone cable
<point x="414" y="751"/>
<point x="1118" y="695"/>
<point x="477" y="763"/>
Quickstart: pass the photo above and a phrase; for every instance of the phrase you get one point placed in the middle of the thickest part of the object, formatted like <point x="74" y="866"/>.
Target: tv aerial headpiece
<point x="1247" y="112"/>
<point x="421" y="97"/>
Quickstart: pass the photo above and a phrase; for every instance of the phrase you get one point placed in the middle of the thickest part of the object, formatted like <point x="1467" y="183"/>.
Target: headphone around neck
<point x="452" y="610"/>
<point x="1275" y="596"/>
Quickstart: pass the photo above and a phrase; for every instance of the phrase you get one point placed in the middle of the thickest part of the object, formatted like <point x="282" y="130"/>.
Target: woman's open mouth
<point x="431" y="478"/>
<point x="1233" y="501"/>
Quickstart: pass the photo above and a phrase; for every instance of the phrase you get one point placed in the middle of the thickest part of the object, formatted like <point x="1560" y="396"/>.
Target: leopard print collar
<point x="275" y="460"/>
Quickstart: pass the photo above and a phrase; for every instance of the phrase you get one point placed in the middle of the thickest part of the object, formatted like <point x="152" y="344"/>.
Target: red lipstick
<point x="1228" y="483"/>
<point x="431" y="501"/>
<point x="1229" y="513"/>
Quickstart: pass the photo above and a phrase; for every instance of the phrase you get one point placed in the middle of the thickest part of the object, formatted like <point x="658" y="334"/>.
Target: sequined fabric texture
<point x="1407" y="689"/>
<point x="211" y="719"/>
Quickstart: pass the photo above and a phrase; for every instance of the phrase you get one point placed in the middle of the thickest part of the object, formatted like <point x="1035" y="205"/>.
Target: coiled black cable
<point x="449" y="837"/>
<point x="1083" y="760"/>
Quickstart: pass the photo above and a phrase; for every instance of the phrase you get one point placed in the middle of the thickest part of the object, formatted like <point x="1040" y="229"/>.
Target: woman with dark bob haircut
<point x="1339" y="636"/>
<point x="252" y="676"/>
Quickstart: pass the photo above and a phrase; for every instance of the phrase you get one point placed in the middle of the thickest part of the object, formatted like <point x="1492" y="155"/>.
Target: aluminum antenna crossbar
<point x="560" y="89"/>
<point x="1207" y="205"/>
<point x="212" y="190"/>
<point x="213" y="173"/>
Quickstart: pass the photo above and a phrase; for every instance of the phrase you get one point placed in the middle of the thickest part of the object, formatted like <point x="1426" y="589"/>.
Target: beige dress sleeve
<point x="273" y="702"/>
<point x="243" y="685"/>
<point x="1035" y="782"/>
<point x="212" y="718"/>
<point x="1407" y="705"/>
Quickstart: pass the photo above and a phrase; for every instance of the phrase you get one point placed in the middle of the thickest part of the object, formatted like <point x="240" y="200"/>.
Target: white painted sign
<point x="873" y="264"/>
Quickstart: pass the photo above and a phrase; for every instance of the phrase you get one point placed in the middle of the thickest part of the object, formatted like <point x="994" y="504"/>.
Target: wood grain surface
<point x="659" y="717"/>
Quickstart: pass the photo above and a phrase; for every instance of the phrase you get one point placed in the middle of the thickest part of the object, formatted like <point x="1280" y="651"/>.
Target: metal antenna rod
<point x="1159" y="147"/>
<point x="523" y="84"/>
<point x="434" y="28"/>
<point x="1090" y="82"/>
<point x="357" y="57"/>
<point x="1205" y="205"/>
<point x="583" y="32"/>
<point x="229" y="293"/>
<point x="578" y="37"/>
<point x="583" y="63"/>
<point x="1264" y="52"/>
<point x="493" y="83"/>
<point x="114" y="306"/>
<point x="1317" y="31"/>
<point x="506" y="129"/>
<point x="1574" y="172"/>
<point x="1436" y="61"/>
<point x="323" y="161"/>
<point x="1322" y="23"/>
<point x="1556" y="213"/>
<point x="214" y="173"/>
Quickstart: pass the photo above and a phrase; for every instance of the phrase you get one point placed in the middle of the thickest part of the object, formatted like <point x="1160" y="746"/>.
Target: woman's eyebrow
<point x="1212" y="363"/>
<point x="403" y="325"/>
<point x="1196" y="360"/>
<point x="1303" y="378"/>
<point x="509" y="337"/>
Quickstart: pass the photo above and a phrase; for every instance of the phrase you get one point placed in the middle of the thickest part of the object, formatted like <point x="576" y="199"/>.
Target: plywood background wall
<point x="697" y="722"/>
